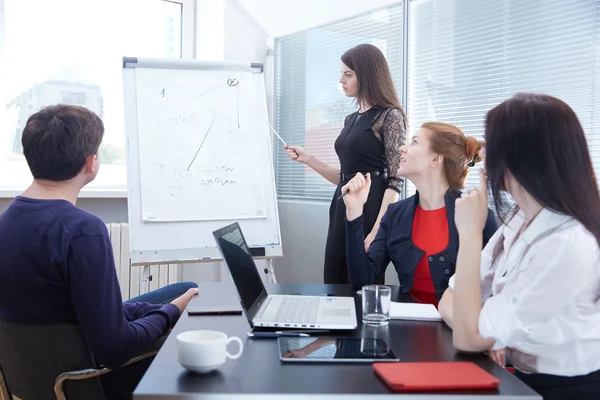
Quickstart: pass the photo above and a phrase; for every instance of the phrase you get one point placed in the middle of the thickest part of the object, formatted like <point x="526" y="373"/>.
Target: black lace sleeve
<point x="393" y="131"/>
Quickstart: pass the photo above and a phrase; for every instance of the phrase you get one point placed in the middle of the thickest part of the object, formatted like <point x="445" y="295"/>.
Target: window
<point x="48" y="56"/>
<point x="467" y="56"/>
<point x="77" y="98"/>
<point x="310" y="106"/>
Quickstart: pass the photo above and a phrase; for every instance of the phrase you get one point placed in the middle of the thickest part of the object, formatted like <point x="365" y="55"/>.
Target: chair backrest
<point x="4" y="394"/>
<point x="32" y="357"/>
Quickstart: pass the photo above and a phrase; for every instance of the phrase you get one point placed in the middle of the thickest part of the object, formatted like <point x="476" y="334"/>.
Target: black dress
<point x="369" y="142"/>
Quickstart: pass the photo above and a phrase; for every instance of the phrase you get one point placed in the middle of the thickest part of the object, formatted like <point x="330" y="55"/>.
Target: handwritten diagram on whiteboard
<point x="204" y="154"/>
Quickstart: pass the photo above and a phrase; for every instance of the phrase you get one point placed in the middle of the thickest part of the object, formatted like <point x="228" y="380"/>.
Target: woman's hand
<point x="369" y="239"/>
<point x="297" y="153"/>
<point x="472" y="209"/>
<point x="358" y="193"/>
<point x="499" y="356"/>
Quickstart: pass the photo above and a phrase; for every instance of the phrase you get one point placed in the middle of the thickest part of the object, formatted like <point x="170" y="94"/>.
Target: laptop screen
<point x="240" y="263"/>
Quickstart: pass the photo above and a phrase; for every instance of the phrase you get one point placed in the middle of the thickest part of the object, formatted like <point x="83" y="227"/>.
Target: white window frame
<point x="188" y="27"/>
<point x="188" y="48"/>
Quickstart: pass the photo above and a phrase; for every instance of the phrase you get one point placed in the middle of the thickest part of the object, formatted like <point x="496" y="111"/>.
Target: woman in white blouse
<point x="534" y="291"/>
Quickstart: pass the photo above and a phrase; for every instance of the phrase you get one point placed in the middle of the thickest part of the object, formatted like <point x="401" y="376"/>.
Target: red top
<point x="430" y="234"/>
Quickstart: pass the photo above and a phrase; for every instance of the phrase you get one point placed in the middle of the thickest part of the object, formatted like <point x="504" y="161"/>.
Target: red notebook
<point x="434" y="376"/>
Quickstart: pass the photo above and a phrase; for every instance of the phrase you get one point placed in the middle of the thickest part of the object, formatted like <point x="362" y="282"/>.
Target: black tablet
<point x="334" y="349"/>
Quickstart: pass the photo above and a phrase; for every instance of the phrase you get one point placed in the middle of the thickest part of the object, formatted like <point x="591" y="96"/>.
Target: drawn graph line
<point x="232" y="82"/>
<point x="204" y="139"/>
<point x="202" y="94"/>
<point x="180" y="103"/>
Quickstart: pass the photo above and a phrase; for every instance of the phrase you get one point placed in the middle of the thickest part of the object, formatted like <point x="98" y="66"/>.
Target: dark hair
<point x="540" y="141"/>
<point x="460" y="152"/>
<point x="375" y="85"/>
<point x="58" y="139"/>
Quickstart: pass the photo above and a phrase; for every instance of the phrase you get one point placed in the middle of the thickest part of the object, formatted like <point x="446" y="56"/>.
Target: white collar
<point x="544" y="222"/>
<point x="512" y="227"/>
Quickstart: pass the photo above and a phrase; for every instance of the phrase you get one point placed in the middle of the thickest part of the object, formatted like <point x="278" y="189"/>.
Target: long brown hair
<point x="459" y="151"/>
<point x="540" y="141"/>
<point x="375" y="85"/>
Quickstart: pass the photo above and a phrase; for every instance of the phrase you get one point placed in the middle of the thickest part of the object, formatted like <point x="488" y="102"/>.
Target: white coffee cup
<point x="204" y="351"/>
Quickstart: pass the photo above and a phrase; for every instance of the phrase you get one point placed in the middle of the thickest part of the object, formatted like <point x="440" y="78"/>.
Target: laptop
<point x="276" y="310"/>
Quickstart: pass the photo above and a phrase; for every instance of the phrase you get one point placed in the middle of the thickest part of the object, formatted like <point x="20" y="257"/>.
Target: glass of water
<point x="376" y="302"/>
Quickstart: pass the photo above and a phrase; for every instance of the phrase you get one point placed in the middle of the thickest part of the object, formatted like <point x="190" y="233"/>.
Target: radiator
<point x="136" y="279"/>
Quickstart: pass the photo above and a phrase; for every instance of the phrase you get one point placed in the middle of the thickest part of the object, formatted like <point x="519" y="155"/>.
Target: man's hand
<point x="182" y="301"/>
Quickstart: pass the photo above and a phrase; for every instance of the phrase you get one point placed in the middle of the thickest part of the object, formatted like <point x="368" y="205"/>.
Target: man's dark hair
<point x="58" y="139"/>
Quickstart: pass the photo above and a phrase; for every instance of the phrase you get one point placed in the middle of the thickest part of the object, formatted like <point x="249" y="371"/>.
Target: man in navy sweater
<point x="56" y="260"/>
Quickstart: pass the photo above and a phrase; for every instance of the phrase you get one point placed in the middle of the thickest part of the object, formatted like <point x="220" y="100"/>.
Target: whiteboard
<point x="202" y="147"/>
<point x="199" y="157"/>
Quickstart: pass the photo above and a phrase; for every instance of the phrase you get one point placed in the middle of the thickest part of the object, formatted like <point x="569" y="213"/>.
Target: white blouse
<point x="541" y="298"/>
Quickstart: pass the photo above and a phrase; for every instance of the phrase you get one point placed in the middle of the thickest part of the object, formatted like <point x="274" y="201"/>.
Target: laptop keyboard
<point x="298" y="309"/>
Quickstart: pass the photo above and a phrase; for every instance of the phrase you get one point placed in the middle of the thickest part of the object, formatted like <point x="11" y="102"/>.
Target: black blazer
<point x="393" y="242"/>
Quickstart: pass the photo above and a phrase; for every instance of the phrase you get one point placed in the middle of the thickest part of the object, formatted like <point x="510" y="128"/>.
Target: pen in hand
<point x="342" y="196"/>
<point x="348" y="191"/>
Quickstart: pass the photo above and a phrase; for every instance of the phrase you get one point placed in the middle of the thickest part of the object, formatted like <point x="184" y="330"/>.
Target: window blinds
<point x="466" y="56"/>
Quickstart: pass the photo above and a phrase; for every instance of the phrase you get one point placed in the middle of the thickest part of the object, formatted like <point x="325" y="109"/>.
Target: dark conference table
<point x="259" y="374"/>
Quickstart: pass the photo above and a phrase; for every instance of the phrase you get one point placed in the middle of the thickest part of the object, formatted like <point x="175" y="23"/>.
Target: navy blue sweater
<point x="394" y="243"/>
<point x="57" y="266"/>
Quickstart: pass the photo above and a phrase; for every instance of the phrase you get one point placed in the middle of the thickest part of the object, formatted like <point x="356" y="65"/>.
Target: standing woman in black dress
<point x="369" y="142"/>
